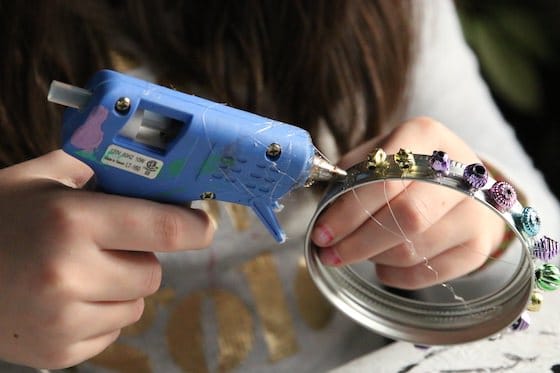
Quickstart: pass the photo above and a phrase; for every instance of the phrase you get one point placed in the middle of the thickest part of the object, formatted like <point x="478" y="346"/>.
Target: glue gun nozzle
<point x="322" y="170"/>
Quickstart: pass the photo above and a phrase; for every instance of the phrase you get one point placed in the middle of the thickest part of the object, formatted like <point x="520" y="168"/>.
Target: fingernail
<point x="329" y="256"/>
<point x="322" y="235"/>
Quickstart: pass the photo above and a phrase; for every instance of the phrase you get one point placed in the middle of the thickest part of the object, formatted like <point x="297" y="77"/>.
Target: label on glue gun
<point x="131" y="161"/>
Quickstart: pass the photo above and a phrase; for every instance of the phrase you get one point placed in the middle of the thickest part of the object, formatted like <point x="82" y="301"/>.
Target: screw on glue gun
<point x="148" y="141"/>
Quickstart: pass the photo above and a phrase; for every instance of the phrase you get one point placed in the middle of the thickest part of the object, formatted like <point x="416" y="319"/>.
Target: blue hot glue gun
<point x="148" y="141"/>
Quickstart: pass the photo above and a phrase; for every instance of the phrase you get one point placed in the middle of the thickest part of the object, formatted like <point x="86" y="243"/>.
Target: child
<point x="78" y="266"/>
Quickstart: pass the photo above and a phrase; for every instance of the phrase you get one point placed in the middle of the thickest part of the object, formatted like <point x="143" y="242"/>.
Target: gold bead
<point x="377" y="159"/>
<point x="536" y="301"/>
<point x="405" y="159"/>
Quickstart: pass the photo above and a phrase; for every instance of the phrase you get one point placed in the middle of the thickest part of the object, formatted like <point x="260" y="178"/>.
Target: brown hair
<point x="297" y="61"/>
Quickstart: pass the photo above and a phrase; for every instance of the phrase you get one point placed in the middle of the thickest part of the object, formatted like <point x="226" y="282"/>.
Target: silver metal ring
<point x="423" y="318"/>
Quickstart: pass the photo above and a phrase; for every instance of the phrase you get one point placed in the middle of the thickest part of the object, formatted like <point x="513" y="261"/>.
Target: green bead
<point x="548" y="277"/>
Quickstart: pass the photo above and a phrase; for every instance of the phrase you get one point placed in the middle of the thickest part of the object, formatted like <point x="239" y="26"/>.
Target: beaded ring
<point x="426" y="322"/>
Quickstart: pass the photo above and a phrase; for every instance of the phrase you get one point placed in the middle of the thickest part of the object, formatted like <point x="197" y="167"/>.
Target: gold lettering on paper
<point x="267" y="290"/>
<point x="161" y="298"/>
<point x="239" y="215"/>
<point x="212" y="208"/>
<point x="235" y="330"/>
<point x="313" y="307"/>
<point x="185" y="338"/>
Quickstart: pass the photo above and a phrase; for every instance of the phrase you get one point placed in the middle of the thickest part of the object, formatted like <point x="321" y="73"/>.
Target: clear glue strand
<point x="420" y="211"/>
<point x="411" y="246"/>
<point x="373" y="218"/>
<point x="401" y="234"/>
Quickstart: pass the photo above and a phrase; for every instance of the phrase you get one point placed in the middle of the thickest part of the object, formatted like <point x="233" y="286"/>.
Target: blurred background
<point x="518" y="46"/>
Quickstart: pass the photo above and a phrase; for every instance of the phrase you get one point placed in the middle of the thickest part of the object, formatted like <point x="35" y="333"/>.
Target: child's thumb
<point x="57" y="165"/>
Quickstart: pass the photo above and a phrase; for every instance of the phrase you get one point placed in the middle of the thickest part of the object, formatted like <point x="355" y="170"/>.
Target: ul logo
<point x="151" y="166"/>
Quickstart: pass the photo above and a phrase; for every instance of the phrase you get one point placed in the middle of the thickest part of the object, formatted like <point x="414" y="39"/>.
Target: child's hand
<point x="75" y="265"/>
<point x="454" y="232"/>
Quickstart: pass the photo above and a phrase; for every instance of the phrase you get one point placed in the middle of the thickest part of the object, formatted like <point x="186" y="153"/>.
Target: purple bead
<point x="440" y="163"/>
<point x="545" y="249"/>
<point x="475" y="176"/>
<point x="522" y="322"/>
<point x="502" y="195"/>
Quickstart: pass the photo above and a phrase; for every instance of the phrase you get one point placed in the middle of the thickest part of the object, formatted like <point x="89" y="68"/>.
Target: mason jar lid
<point x="473" y="307"/>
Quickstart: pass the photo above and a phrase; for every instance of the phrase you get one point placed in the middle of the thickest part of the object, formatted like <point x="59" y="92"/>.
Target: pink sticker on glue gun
<point x="89" y="135"/>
